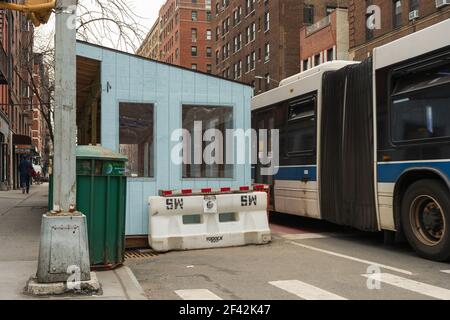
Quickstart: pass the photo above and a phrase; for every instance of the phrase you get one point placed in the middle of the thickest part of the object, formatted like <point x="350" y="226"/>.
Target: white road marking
<point x="197" y="294"/>
<point x="305" y="291"/>
<point x="304" y="236"/>
<point x="446" y="271"/>
<point x="340" y="255"/>
<point x="411" y="285"/>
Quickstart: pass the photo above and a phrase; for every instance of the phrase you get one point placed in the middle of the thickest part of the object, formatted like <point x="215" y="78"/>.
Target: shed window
<point x="136" y="138"/>
<point x="197" y="120"/>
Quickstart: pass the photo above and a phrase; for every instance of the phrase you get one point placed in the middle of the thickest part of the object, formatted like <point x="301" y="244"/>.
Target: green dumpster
<point x="101" y="196"/>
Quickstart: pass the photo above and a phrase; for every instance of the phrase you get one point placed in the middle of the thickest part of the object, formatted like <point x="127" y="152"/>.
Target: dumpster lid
<point x="98" y="152"/>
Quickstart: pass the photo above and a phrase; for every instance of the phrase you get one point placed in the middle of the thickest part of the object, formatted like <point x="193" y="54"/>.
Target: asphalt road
<point x="307" y="259"/>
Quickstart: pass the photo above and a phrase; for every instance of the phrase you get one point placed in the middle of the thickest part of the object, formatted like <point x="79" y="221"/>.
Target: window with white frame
<point x="266" y="21"/>
<point x="253" y="60"/>
<point x="253" y="32"/>
<point x="267" y="52"/>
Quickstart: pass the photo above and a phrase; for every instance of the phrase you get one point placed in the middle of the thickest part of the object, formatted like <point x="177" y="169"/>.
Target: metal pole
<point x="64" y="169"/>
<point x="64" y="250"/>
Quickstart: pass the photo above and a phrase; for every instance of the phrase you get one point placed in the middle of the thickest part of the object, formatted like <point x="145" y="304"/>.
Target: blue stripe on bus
<point x="297" y="173"/>
<point x="390" y="172"/>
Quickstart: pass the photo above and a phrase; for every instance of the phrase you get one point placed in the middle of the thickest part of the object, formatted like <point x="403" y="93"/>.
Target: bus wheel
<point x="426" y="219"/>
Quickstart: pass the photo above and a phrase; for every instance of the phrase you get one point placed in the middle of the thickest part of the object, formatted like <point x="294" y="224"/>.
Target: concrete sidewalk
<point x="20" y="224"/>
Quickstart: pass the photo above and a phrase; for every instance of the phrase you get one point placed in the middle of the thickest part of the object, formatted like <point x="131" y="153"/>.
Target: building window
<point x="136" y="137"/>
<point x="267" y="52"/>
<point x="194" y="51"/>
<point x="317" y="60"/>
<point x="330" y="54"/>
<point x="253" y="61"/>
<point x="194" y="15"/>
<point x="237" y="69"/>
<point x="305" y="64"/>
<point x="208" y="52"/>
<point x="208" y="68"/>
<point x="217" y="33"/>
<point x="266" y="21"/>
<point x="247" y="65"/>
<point x="237" y="16"/>
<point x="194" y="35"/>
<point x="250" y="6"/>
<point x="208" y="34"/>
<point x="253" y="33"/>
<point x="308" y="14"/>
<point x="196" y="120"/>
<point x="194" y="66"/>
<point x="267" y="78"/>
<point x="208" y="16"/>
<point x="236" y="44"/>
<point x="397" y="18"/>
<point x="414" y="5"/>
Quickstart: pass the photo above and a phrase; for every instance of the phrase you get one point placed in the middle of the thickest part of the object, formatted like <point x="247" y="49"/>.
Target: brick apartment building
<point x="398" y="19"/>
<point x="256" y="41"/>
<point x="16" y="95"/>
<point x="326" y="40"/>
<point x="41" y="99"/>
<point x="185" y="34"/>
<point x="150" y="46"/>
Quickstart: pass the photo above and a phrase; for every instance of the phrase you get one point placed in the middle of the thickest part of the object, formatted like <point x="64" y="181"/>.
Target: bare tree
<point x="112" y="21"/>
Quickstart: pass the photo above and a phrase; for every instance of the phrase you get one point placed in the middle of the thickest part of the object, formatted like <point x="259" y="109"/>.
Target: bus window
<point x="421" y="114"/>
<point x="301" y="127"/>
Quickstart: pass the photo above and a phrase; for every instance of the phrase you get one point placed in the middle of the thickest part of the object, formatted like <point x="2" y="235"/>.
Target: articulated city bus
<point x="367" y="144"/>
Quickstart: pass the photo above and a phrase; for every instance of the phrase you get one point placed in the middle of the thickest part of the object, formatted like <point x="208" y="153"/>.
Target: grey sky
<point x="148" y="9"/>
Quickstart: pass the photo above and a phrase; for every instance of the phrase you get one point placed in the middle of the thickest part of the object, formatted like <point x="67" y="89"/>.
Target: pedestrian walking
<point x="26" y="172"/>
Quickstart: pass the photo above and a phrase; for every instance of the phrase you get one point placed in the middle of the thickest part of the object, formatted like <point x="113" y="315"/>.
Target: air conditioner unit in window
<point x="413" y="15"/>
<point x="441" y="3"/>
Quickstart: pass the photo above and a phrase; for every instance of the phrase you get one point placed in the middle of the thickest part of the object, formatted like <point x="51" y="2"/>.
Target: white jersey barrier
<point x="208" y="221"/>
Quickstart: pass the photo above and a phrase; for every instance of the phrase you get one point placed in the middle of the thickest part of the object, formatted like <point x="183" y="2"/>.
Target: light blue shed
<point x="115" y="89"/>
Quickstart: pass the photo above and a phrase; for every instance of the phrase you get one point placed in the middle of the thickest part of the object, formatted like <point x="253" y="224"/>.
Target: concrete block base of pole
<point x="63" y="264"/>
<point x="83" y="288"/>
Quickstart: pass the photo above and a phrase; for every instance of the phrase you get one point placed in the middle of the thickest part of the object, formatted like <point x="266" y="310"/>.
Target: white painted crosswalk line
<point x="412" y="285"/>
<point x="197" y="294"/>
<point x="305" y="291"/>
<point x="446" y="271"/>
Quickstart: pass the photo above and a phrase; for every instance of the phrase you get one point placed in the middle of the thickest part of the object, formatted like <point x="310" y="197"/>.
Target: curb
<point x="129" y="283"/>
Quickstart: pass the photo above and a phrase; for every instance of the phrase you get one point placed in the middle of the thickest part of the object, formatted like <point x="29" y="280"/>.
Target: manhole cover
<point x="140" y="254"/>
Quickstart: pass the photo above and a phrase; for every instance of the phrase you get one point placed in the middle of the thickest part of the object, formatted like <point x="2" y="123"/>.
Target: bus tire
<point x="425" y="212"/>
